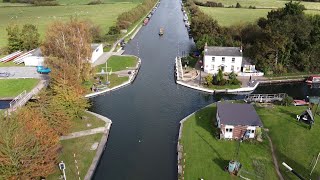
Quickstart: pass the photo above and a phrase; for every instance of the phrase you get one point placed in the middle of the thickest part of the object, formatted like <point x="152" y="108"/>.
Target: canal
<point x="143" y="138"/>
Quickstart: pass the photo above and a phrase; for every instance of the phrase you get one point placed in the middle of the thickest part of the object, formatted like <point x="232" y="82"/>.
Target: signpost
<point x="62" y="167"/>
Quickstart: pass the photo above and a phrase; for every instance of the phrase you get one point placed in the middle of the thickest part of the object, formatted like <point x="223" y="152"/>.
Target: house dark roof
<point x="238" y="114"/>
<point x="223" y="51"/>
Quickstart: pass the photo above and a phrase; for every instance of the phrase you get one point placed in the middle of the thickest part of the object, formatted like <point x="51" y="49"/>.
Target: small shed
<point x="97" y="51"/>
<point x="36" y="58"/>
<point x="237" y="121"/>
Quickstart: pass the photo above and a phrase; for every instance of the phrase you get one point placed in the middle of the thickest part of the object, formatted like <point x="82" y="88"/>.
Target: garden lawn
<point x="235" y="16"/>
<point x="118" y="63"/>
<point x="13" y="87"/>
<point x="115" y="80"/>
<point x="84" y="156"/>
<point x="104" y="15"/>
<point x="294" y="143"/>
<point x="81" y="124"/>
<point x="265" y="3"/>
<point x="206" y="156"/>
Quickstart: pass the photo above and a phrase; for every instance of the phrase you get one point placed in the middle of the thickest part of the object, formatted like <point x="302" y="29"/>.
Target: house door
<point x="251" y="131"/>
<point x="222" y="68"/>
<point x="228" y="132"/>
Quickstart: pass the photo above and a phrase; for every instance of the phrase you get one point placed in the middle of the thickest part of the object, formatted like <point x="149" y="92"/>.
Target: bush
<point x="238" y="5"/>
<point x="94" y="2"/>
<point x="209" y="4"/>
<point x="252" y="7"/>
<point x="208" y="80"/>
<point x="287" y="101"/>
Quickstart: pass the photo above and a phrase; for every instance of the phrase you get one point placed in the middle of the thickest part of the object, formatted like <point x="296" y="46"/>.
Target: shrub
<point x="287" y="101"/>
<point x="238" y="5"/>
<point x="208" y="80"/>
<point x="94" y="2"/>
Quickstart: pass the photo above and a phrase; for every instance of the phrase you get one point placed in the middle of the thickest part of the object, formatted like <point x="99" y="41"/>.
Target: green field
<point x="13" y="87"/>
<point x="74" y="2"/>
<point x="104" y="15"/>
<point x="264" y="3"/>
<point x="84" y="156"/>
<point x="206" y="156"/>
<point x="235" y="16"/>
<point x="82" y="124"/>
<point x="118" y="63"/>
<point x="294" y="143"/>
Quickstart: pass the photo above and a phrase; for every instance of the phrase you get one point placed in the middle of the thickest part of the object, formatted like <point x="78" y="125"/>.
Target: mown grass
<point x="84" y="156"/>
<point x="13" y="87"/>
<point x="82" y="124"/>
<point x="294" y="143"/>
<point x="265" y="3"/>
<point x="115" y="80"/>
<point x="231" y="86"/>
<point x="206" y="156"/>
<point x="235" y="16"/>
<point x="9" y="64"/>
<point x="104" y="15"/>
<point x="83" y="2"/>
<point x="118" y="63"/>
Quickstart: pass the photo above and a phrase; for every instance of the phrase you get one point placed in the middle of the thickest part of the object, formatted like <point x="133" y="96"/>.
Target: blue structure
<point x="43" y="70"/>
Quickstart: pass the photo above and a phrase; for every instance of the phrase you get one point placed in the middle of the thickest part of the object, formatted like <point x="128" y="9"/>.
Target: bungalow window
<point x="228" y="129"/>
<point x="212" y="59"/>
<point x="233" y="60"/>
<point x="252" y="131"/>
<point x="223" y="59"/>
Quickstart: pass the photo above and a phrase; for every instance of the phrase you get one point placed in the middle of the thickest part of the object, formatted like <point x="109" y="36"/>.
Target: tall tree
<point x="30" y="37"/>
<point x="70" y="41"/>
<point x="14" y="39"/>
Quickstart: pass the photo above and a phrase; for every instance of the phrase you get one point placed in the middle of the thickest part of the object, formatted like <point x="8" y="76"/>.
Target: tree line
<point x="29" y="137"/>
<point x="287" y="40"/>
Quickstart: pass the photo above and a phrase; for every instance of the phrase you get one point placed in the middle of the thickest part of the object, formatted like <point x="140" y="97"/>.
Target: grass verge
<point x="10" y="64"/>
<point x="118" y="63"/>
<point x="84" y="156"/>
<point x="82" y="124"/>
<point x="214" y="87"/>
<point x="236" y="16"/>
<point x="206" y="156"/>
<point x="13" y="87"/>
<point x="294" y="143"/>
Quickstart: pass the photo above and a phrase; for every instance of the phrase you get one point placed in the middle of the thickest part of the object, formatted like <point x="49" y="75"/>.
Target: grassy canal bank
<point x="13" y="87"/>
<point x="206" y="156"/>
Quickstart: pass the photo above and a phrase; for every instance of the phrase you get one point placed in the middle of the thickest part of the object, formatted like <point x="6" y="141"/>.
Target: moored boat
<point x="161" y="31"/>
<point x="300" y="102"/>
<point x="313" y="79"/>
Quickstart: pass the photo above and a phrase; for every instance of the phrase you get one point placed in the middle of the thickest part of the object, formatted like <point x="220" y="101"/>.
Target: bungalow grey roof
<point x="238" y="114"/>
<point x="223" y="51"/>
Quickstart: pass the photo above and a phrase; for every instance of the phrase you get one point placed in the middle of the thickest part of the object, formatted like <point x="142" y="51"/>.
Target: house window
<point x="212" y="59"/>
<point x="228" y="129"/>
<point x="223" y="59"/>
<point x="212" y="67"/>
<point x="232" y="67"/>
<point x="233" y="60"/>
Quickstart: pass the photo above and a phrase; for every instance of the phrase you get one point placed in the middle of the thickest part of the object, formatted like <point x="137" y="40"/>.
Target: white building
<point x="97" y="51"/>
<point x="36" y="58"/>
<point x="227" y="59"/>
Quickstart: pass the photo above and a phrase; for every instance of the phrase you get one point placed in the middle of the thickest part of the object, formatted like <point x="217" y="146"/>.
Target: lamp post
<point x="62" y="167"/>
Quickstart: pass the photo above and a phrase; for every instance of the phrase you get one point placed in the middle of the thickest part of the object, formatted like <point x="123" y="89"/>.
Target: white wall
<point x="212" y="67"/>
<point x="33" y="61"/>
<point x="96" y="53"/>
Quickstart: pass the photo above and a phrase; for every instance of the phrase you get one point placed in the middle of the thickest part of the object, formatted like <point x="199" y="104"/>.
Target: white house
<point x="227" y="59"/>
<point x="97" y="51"/>
<point x="36" y="58"/>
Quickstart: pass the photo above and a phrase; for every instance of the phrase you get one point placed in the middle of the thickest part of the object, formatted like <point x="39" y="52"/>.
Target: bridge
<point x="264" y="98"/>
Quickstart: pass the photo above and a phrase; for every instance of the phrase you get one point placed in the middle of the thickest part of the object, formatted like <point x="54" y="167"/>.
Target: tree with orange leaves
<point x="28" y="146"/>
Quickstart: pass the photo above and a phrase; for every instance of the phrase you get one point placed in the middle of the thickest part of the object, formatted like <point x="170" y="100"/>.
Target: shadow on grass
<point x="299" y="168"/>
<point x="206" y="120"/>
<point x="293" y="118"/>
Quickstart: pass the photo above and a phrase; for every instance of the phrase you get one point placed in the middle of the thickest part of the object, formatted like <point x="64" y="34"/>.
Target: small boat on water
<point x="300" y="102"/>
<point x="161" y="31"/>
<point x="313" y="79"/>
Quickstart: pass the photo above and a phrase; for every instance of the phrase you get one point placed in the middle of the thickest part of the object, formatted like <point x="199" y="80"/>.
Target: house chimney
<point x="206" y="47"/>
<point x="240" y="49"/>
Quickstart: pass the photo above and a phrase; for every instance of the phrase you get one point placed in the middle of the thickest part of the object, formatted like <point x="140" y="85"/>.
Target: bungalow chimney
<point x="206" y="47"/>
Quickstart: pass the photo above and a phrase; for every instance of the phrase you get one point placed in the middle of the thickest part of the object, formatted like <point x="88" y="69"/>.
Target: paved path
<point x="21" y="72"/>
<point x="105" y="56"/>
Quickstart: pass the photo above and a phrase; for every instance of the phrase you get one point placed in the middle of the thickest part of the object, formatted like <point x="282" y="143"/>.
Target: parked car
<point x="43" y="70"/>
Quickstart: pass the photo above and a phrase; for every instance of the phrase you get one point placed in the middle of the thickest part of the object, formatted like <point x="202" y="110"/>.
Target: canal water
<point x="143" y="138"/>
